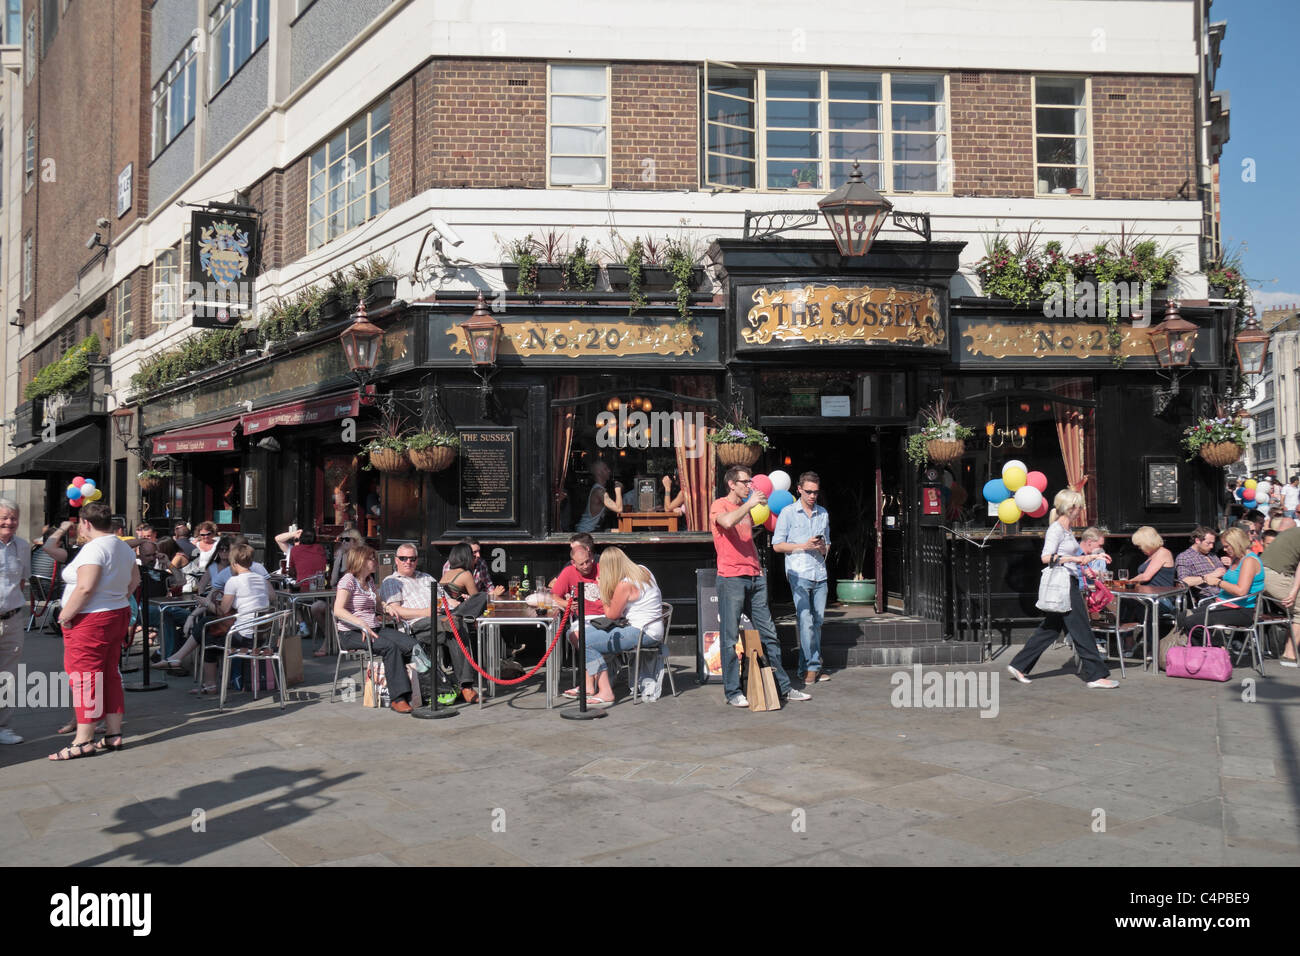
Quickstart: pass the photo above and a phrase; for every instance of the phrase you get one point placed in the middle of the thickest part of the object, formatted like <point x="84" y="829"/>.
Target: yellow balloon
<point x="97" y="495"/>
<point x="1014" y="479"/>
<point x="1251" y="482"/>
<point x="1009" y="511"/>
<point x="760" y="514"/>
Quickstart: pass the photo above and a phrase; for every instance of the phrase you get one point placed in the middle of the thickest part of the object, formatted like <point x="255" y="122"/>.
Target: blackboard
<point x="708" y="625"/>
<point x="488" y="487"/>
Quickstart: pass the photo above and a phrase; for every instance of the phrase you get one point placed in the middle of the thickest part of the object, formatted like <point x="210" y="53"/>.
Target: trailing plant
<point x="432" y="438"/>
<point x="1225" y="271"/>
<point x="523" y="253"/>
<point x="735" y="429"/>
<point x="937" y="425"/>
<point x="66" y="374"/>
<point x="680" y="263"/>
<point x="634" y="261"/>
<point x="580" y="269"/>
<point x="1213" y="431"/>
<point x="198" y="353"/>
<point x="153" y="473"/>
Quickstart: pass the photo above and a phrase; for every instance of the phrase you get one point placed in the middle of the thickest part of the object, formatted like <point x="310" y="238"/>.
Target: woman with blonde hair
<point x="1060" y="547"/>
<point x="632" y="602"/>
<point x="1158" y="568"/>
<point x="1235" y="603"/>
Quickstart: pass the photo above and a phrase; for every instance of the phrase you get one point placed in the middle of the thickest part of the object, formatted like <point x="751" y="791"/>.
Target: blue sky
<point x="1260" y="70"/>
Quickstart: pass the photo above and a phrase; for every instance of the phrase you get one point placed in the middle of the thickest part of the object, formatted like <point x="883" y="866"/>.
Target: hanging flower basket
<point x="150" y="484"/>
<point x="942" y="451"/>
<point x="1221" y="454"/>
<point x="734" y="453"/>
<point x="389" y="460"/>
<point x="432" y="459"/>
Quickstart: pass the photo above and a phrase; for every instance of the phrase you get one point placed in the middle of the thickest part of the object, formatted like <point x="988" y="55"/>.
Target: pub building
<point x="831" y="356"/>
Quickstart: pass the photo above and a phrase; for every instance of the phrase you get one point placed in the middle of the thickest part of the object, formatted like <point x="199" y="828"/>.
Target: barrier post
<point x="145" y="684"/>
<point x="582" y="713"/>
<point x="431" y="710"/>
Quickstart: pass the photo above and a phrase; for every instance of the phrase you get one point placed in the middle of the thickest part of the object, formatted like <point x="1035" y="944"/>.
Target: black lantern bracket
<point x="766" y="225"/>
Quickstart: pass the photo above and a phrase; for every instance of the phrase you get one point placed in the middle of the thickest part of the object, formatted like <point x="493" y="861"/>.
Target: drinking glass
<point x="1123" y="574"/>
<point x="512" y="588"/>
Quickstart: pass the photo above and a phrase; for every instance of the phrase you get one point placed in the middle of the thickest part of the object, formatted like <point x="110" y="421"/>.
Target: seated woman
<point x="458" y="583"/>
<point x="244" y="594"/>
<point x="348" y="539"/>
<point x="1158" y="570"/>
<point x="355" y="611"/>
<point x="628" y="591"/>
<point x="599" y="503"/>
<point x="172" y="617"/>
<point x="1235" y="604"/>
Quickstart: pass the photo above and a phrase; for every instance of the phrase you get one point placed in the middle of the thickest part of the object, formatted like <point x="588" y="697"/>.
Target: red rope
<point x="559" y="631"/>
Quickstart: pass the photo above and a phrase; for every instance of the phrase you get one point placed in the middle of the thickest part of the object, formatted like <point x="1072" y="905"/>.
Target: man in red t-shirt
<point x="581" y="570"/>
<point x="742" y="586"/>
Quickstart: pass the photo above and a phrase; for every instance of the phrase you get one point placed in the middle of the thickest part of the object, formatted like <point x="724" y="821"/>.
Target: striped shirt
<point x="361" y="602"/>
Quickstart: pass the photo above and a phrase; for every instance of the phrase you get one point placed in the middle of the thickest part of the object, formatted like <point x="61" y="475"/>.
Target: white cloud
<point x="1273" y="300"/>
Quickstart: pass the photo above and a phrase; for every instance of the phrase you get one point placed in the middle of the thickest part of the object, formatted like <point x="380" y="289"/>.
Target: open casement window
<point x="1062" y="142"/>
<point x="123" y="322"/>
<point x="347" y="183"/>
<point x="783" y="129"/>
<point x="578" y="125"/>
<point x="166" y="286"/>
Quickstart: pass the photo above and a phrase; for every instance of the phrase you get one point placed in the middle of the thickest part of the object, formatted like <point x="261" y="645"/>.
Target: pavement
<point x="1160" y="772"/>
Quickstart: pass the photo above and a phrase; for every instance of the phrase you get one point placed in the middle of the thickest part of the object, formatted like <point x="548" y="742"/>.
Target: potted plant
<point x="737" y="442"/>
<point x="387" y="450"/>
<point x="857" y="547"/>
<point x="432" y="450"/>
<point x="805" y="177"/>
<point x="375" y="282"/>
<point x="152" y="478"/>
<point x="535" y="263"/>
<point x="580" y="269"/>
<point x="1219" y="441"/>
<point x="1225" y="277"/>
<point x="680" y="259"/>
<point x="638" y="267"/>
<point x="941" y="438"/>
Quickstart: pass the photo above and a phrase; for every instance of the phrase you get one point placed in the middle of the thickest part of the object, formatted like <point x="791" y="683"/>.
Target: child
<point x="1091" y="542"/>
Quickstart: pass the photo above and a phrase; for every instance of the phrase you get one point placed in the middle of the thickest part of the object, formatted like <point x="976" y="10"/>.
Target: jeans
<point x="614" y="641"/>
<point x="172" y="618"/>
<point x="747" y="595"/>
<point x="809" y="607"/>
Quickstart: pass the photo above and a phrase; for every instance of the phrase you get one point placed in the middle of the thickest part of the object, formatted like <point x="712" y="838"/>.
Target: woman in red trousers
<point x="94" y="617"/>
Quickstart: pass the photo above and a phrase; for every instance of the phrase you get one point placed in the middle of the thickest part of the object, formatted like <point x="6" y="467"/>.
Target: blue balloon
<point x="74" y="494"/>
<point x="1240" y="494"/>
<point x="995" y="492"/>
<point x="778" y="500"/>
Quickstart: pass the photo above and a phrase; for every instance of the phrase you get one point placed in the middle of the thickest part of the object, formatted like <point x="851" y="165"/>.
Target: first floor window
<point x="123" y="326"/>
<point x="805" y="129"/>
<point x="29" y="159"/>
<point x="29" y="49"/>
<point x="1061" y="154"/>
<point x="27" y="265"/>
<point x="238" y="28"/>
<point x="347" y="181"/>
<point x="579" y="125"/>
<point x="166" y="286"/>
<point x="174" y="97"/>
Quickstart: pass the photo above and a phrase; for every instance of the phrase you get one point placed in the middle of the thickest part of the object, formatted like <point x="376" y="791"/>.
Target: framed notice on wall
<point x="489" y="491"/>
<point x="1161" y="481"/>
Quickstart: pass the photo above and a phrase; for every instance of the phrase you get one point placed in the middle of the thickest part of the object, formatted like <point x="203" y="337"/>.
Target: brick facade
<point x="1143" y="129"/>
<point x="992" y="134"/>
<point x="655" y="136"/>
<point x="268" y="195"/>
<point x="293" y="245"/>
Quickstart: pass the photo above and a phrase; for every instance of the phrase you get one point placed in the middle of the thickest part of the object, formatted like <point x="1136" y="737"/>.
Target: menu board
<point x="1162" y="481"/>
<point x="488" y="492"/>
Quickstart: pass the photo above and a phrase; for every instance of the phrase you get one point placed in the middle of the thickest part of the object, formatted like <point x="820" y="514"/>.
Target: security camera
<point x="449" y="234"/>
<point x="248" y="404"/>
<point x="93" y="241"/>
<point x="102" y="223"/>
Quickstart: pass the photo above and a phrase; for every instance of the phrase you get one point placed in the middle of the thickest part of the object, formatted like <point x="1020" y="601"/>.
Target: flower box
<point x="549" y="278"/>
<point x="382" y="291"/>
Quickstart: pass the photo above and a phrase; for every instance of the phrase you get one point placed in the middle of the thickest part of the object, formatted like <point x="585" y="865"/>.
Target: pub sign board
<point x="223" y="265"/>
<point x="1055" y="343"/>
<point x="798" y="313"/>
<point x="489" y="491"/>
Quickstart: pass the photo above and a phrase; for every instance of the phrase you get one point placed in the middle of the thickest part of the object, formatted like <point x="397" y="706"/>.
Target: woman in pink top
<point x="356" y="614"/>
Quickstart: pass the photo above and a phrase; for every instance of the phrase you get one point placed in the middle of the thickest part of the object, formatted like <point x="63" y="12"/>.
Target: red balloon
<point x="770" y="524"/>
<point x="1037" y="480"/>
<point x="1042" y="510"/>
<point x="78" y="481"/>
<point x="1250" y="494"/>
<point x="76" y="502"/>
<point x="762" y="483"/>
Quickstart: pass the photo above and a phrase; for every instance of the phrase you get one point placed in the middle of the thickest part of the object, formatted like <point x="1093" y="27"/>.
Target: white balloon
<point x="780" y="480"/>
<point x="1264" y="487"/>
<point x="1029" y="499"/>
<point x="1015" y="463"/>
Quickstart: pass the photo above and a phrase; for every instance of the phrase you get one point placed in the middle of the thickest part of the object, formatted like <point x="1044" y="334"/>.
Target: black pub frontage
<point x="830" y="356"/>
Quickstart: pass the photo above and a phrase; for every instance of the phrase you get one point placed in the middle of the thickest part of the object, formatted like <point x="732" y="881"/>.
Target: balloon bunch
<point x="776" y="487"/>
<point x="82" y="490"/>
<point x="1017" y="493"/>
<point x="1254" y="492"/>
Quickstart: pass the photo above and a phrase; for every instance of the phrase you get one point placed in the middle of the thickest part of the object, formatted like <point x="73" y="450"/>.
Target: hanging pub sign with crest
<point x="223" y="265"/>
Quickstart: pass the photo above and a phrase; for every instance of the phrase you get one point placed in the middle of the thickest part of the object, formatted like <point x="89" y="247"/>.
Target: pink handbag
<point x="1199" y="662"/>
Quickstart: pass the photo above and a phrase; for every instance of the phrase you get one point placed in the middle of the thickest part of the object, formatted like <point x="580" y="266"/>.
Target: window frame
<point x="123" y="320"/>
<point x="370" y="189"/>
<point x="28" y="242"/>
<point x="825" y="162"/>
<point x="608" y="126"/>
<point x="1089" y="167"/>
<point x="170" y="287"/>
<point x="222" y="13"/>
<point x="183" y="70"/>
<point x="29" y="158"/>
<point x="29" y="49"/>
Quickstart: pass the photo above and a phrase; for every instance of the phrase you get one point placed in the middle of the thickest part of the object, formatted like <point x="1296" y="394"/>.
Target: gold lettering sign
<point x="830" y="315"/>
<point x="1053" y="340"/>
<point x="575" y="338"/>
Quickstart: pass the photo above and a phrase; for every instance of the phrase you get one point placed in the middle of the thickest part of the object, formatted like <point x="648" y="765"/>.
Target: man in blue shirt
<point x="803" y="536"/>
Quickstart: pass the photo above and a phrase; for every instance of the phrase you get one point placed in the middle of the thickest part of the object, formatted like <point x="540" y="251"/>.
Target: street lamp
<point x="855" y="212"/>
<point x="483" y="336"/>
<point x="124" y="425"/>
<point x="1173" y="341"/>
<point x="1251" y="345"/>
<point x="361" y="341"/>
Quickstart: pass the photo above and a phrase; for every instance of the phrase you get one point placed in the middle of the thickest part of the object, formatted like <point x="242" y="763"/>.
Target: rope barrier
<point x="559" y="632"/>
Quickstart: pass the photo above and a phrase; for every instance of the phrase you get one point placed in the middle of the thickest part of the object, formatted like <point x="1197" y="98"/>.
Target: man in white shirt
<point x="1291" y="497"/>
<point x="15" y="569"/>
<point x="803" y="535"/>
<point x="406" y="593"/>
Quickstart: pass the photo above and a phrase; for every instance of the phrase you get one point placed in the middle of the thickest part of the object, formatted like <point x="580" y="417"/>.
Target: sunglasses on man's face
<point x="403" y="557"/>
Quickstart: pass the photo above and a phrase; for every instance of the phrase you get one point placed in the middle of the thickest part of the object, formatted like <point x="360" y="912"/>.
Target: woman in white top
<point x="246" y="595"/>
<point x="1060" y="545"/>
<point x="94" y="618"/>
<point x="628" y="591"/>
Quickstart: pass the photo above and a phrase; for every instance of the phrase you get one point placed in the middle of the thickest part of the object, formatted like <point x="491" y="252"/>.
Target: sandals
<point x="173" y="667"/>
<point x="320" y="653"/>
<point x="572" y="693"/>
<point x="73" y="751"/>
<point x="205" y="690"/>
<point x="103" y="745"/>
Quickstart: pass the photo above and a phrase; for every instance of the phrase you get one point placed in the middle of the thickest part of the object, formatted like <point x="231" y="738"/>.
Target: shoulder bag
<point x="1199" y="661"/>
<point x="1054" y="589"/>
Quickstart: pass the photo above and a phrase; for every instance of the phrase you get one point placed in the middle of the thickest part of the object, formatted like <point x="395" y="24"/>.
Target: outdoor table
<point x="489" y="632"/>
<point x="644" y="520"/>
<point x="1150" y="597"/>
<point x="303" y="599"/>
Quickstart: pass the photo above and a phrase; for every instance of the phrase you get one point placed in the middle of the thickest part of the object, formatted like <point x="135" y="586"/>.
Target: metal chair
<point x="1274" y="615"/>
<point x="268" y="631"/>
<point x="666" y="616"/>
<point x="1251" y="630"/>
<point x="44" y="592"/>
<point x="363" y="654"/>
<point x="202" y="644"/>
<point x="1110" y="626"/>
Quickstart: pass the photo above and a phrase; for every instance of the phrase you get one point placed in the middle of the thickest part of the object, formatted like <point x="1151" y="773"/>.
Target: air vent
<point x="1116" y="96"/>
<point x="516" y="82"/>
<point x="970" y="76"/>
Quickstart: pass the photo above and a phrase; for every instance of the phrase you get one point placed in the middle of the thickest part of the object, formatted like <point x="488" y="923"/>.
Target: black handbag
<point x="605" y="624"/>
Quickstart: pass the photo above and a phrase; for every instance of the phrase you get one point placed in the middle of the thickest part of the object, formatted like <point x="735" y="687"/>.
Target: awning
<point x="77" y="452"/>
<point x="214" y="436"/>
<point x="331" y="408"/>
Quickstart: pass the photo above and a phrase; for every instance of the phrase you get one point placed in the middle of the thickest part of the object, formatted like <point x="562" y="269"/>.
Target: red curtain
<point x="566" y="386"/>
<point x="696" y="464"/>
<point x="1074" y="429"/>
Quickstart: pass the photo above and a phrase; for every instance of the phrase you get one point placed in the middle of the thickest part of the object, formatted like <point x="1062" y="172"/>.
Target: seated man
<point x="1197" y="567"/>
<point x="599" y="502"/>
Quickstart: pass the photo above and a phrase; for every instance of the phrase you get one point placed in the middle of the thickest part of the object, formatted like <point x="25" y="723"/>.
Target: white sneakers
<point x="7" y="736"/>
<point x="797" y="695"/>
<point x="740" y="700"/>
<point x="1104" y="683"/>
<point x="1017" y="675"/>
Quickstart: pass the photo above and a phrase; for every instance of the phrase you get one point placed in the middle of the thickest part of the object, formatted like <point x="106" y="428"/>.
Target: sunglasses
<point x="206" y="534"/>
<point x="402" y="557"/>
